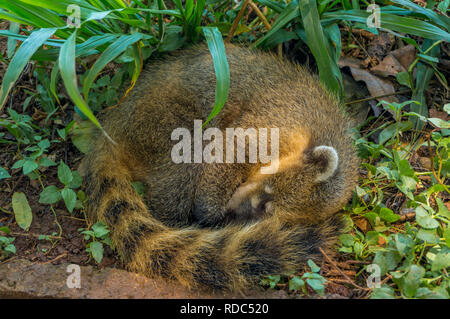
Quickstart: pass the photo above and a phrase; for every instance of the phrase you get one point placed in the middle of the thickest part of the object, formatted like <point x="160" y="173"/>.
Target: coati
<point x="222" y="226"/>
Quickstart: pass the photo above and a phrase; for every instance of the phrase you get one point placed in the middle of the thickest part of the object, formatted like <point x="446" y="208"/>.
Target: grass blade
<point x="112" y="52"/>
<point x="392" y="22"/>
<point x="67" y="69"/>
<point x="329" y="72"/>
<point x="217" y="49"/>
<point x="441" y="20"/>
<point x="14" y="28"/>
<point x="286" y="16"/>
<point x="20" y="60"/>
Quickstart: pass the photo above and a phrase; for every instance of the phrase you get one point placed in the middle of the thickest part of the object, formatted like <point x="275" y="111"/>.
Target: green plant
<point x="414" y="255"/>
<point x="97" y="235"/>
<point x="313" y="279"/>
<point x="117" y="31"/>
<point x="298" y="283"/>
<point x="71" y="180"/>
<point x="6" y="243"/>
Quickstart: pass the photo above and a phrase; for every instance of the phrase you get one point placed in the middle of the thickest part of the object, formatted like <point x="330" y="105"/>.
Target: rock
<point x="21" y="278"/>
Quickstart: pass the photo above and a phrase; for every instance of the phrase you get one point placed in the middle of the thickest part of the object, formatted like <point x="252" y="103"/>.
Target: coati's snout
<point x="289" y="191"/>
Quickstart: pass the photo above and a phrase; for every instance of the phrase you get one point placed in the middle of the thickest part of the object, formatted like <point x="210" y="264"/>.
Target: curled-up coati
<point x="222" y="225"/>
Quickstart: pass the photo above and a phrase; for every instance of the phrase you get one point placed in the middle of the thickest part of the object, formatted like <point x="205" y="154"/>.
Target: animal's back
<point x="265" y="92"/>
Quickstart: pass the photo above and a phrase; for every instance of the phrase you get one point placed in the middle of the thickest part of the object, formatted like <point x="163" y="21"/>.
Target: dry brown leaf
<point x="390" y="66"/>
<point x="396" y="61"/>
<point x="405" y="55"/>
<point x="362" y="224"/>
<point x="440" y="115"/>
<point x="376" y="86"/>
<point x="425" y="162"/>
<point x="381" y="241"/>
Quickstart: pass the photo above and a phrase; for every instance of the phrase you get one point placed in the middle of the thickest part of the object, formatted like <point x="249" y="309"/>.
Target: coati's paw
<point x="249" y="202"/>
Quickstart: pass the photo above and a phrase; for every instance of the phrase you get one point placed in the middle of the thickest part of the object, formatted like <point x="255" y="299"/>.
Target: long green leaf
<point x="441" y="20"/>
<point x="68" y="74"/>
<point x="112" y="52"/>
<point x="40" y="17"/>
<point x="217" y="49"/>
<point x="287" y="15"/>
<point x="14" y="28"/>
<point x="423" y="77"/>
<point x="392" y="22"/>
<point x="20" y="60"/>
<point x="329" y="72"/>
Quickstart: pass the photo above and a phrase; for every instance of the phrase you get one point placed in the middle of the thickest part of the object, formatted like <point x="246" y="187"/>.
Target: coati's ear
<point x="327" y="158"/>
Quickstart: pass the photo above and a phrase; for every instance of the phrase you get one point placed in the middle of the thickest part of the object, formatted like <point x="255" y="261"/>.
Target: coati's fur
<point x="222" y="226"/>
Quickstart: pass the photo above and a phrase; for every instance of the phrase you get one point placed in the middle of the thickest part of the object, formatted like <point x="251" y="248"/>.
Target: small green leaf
<point x="70" y="198"/>
<point x="439" y="122"/>
<point x="50" y="195"/>
<point x="96" y="249"/>
<point x="64" y="173"/>
<point x="384" y="292"/>
<point x="99" y="229"/>
<point x="424" y="219"/>
<point x="441" y="261"/>
<point x="44" y="161"/>
<point x="22" y="210"/>
<point x="76" y="181"/>
<point x="29" y="166"/>
<point x="428" y="235"/>
<point x="347" y="240"/>
<point x="403" y="243"/>
<point x="317" y="285"/>
<point x="10" y="248"/>
<point x="388" y="215"/>
<point x="413" y="280"/>
<point x="4" y="173"/>
<point x="403" y="78"/>
<point x="296" y="283"/>
<point x="313" y="266"/>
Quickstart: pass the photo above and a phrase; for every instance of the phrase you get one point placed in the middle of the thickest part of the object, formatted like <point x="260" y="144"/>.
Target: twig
<point x="54" y="259"/>
<point x="260" y="14"/>
<point x="35" y="235"/>
<point x="8" y="260"/>
<point x="236" y="21"/>
<point x="377" y="97"/>
<point x="339" y="270"/>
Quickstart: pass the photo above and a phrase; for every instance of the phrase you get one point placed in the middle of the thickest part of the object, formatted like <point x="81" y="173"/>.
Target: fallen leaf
<point x="376" y="86"/>
<point x="363" y="224"/>
<point x="22" y="210"/>
<point x="405" y="55"/>
<point x="381" y="241"/>
<point x="390" y="66"/>
<point x="425" y="162"/>
<point x="438" y="114"/>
